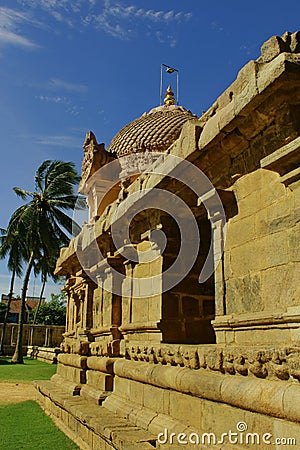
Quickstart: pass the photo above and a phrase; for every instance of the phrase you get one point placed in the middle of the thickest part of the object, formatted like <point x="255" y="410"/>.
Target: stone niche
<point x="142" y="354"/>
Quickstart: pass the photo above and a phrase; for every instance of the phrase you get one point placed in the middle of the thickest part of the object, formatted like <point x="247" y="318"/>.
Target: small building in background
<point x="15" y="306"/>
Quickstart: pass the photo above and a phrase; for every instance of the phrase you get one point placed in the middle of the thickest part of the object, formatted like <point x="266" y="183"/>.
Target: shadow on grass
<point x="5" y="360"/>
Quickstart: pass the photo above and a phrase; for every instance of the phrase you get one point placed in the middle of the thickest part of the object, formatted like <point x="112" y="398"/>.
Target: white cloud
<point x="113" y="17"/>
<point x="53" y="99"/>
<point x="120" y="21"/>
<point x="133" y="12"/>
<point x="67" y="86"/>
<point x="57" y="141"/>
<point x="215" y="26"/>
<point x="56" y="88"/>
<point x="10" y="38"/>
<point x="71" y="108"/>
<point x="9" y="33"/>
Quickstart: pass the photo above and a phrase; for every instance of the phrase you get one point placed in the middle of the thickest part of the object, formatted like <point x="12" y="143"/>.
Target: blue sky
<point x="69" y="66"/>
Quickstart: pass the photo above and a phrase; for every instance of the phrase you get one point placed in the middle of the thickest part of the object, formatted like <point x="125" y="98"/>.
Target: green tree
<point x="11" y="246"/>
<point x="53" y="312"/>
<point x="45" y="266"/>
<point x="43" y="223"/>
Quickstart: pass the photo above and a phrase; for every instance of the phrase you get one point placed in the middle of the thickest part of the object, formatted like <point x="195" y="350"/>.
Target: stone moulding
<point x="267" y="362"/>
<point x="102" y="364"/>
<point x="291" y="316"/>
<point x="73" y="360"/>
<point x="285" y="161"/>
<point x="262" y="396"/>
<point x="139" y="327"/>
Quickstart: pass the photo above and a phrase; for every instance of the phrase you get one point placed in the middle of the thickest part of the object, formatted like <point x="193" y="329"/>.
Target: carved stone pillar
<point x="107" y="309"/>
<point x="142" y="293"/>
<point x="107" y="316"/>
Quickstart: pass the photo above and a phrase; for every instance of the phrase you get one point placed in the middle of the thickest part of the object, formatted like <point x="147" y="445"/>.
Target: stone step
<point x="91" y="426"/>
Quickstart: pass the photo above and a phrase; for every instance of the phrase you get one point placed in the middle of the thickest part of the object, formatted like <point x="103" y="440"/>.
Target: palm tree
<point x="45" y="266"/>
<point x="43" y="222"/>
<point x="13" y="249"/>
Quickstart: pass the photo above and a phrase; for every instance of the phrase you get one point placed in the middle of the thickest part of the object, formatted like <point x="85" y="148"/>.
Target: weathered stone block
<point x="246" y="389"/>
<point x="253" y="182"/>
<point x="279" y="284"/>
<point x="156" y="399"/>
<point x="244" y="88"/>
<point x="122" y="387"/>
<point x="181" y="406"/>
<point x="294" y="243"/>
<point x="239" y="232"/>
<point x="272" y="48"/>
<point x="209" y="132"/>
<point x="226" y="116"/>
<point x="139" y="309"/>
<point x="276" y="217"/>
<point x="274" y="250"/>
<point x="188" y="141"/>
<point x="246" y="258"/>
<point x="154" y="305"/>
<point x="269" y="73"/>
<point x="244" y="294"/>
<point x="101" y="381"/>
<point x="289" y="431"/>
<point x="137" y="392"/>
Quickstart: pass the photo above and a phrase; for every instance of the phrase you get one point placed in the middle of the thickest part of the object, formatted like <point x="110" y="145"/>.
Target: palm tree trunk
<point x="18" y="355"/>
<point x="40" y="300"/>
<point x="11" y="291"/>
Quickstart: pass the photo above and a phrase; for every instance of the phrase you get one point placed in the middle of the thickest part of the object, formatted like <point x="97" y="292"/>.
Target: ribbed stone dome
<point x="154" y="131"/>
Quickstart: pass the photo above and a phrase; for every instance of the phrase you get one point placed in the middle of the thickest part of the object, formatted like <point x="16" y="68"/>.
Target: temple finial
<point x="169" y="98"/>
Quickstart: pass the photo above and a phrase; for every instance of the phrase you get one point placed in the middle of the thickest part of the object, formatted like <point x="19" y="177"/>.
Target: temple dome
<point x="154" y="131"/>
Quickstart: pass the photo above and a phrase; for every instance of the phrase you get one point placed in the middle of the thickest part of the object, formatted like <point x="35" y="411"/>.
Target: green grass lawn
<point x="32" y="369"/>
<point x="25" y="426"/>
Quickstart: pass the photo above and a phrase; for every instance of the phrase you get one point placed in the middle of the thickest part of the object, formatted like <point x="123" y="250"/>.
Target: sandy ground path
<point x="17" y="392"/>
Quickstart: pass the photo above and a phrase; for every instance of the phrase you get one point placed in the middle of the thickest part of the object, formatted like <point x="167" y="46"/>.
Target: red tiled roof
<point x="15" y="305"/>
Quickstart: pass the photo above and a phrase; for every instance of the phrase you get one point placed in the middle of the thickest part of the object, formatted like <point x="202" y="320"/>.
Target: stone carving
<point x="137" y="163"/>
<point x="95" y="157"/>
<point x="257" y="365"/>
<point x="271" y="363"/>
<point x="75" y="346"/>
<point x="105" y="348"/>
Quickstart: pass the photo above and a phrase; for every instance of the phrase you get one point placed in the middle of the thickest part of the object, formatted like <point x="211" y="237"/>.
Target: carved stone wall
<point x="134" y="356"/>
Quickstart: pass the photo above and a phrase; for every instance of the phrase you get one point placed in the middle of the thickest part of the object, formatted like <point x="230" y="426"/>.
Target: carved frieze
<point x="268" y="362"/>
<point x="74" y="346"/>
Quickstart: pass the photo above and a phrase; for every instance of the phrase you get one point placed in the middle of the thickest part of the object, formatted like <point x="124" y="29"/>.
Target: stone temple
<point x="183" y="319"/>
